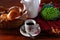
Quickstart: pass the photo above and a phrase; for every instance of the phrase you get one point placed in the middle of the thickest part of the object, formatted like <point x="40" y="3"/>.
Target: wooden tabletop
<point x="14" y="34"/>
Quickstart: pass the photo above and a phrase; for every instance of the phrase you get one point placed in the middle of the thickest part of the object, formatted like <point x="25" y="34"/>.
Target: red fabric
<point x="46" y="25"/>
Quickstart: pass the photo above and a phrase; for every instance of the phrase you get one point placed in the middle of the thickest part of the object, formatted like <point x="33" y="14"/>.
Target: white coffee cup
<point x="32" y="28"/>
<point x="27" y="26"/>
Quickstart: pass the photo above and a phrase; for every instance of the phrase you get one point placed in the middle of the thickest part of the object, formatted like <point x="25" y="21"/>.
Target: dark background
<point x="8" y="3"/>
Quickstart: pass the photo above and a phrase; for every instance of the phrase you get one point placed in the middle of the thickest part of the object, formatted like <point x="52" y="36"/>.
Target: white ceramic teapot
<point x="32" y="7"/>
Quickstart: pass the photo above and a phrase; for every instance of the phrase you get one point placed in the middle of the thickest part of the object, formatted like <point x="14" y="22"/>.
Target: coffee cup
<point x="32" y="27"/>
<point x="29" y="23"/>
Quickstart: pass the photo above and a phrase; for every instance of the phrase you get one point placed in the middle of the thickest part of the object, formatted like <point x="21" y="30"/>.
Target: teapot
<point x="32" y="7"/>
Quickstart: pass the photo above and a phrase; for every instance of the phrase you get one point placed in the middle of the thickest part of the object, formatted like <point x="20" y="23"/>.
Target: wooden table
<point x="14" y="34"/>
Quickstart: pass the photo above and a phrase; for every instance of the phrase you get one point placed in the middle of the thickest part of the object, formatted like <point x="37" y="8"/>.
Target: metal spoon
<point x="31" y="36"/>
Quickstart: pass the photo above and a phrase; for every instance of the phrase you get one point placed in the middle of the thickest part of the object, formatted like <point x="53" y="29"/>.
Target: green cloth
<point x="50" y="13"/>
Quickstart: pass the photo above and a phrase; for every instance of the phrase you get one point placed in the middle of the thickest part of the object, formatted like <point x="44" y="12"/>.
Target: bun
<point x="8" y="17"/>
<point x="13" y="14"/>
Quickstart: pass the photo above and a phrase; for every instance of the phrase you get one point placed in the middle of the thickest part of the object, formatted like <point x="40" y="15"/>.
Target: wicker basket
<point x="14" y="23"/>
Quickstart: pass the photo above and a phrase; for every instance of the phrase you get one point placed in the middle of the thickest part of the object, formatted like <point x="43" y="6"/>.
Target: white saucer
<point x="26" y="34"/>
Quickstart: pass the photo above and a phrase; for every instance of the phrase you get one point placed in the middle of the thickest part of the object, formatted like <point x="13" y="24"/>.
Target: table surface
<point x="14" y="34"/>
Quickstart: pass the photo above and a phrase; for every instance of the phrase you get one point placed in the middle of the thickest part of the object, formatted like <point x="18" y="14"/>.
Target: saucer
<point x="23" y="32"/>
